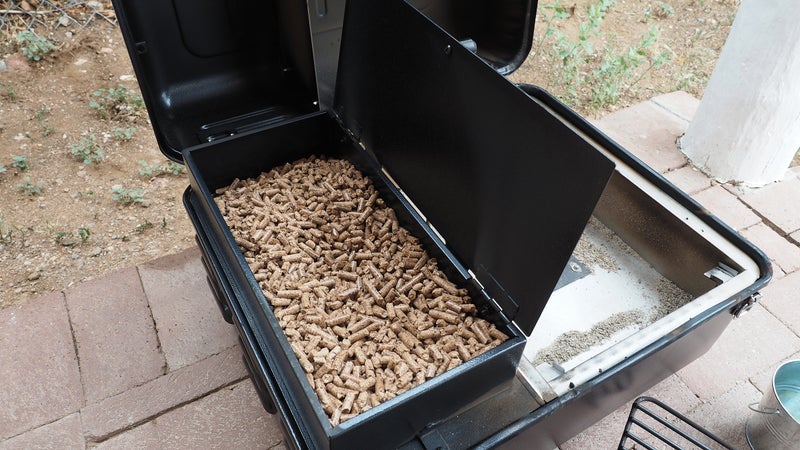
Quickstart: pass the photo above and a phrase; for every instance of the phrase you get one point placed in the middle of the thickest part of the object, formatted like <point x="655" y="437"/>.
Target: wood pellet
<point x="367" y="312"/>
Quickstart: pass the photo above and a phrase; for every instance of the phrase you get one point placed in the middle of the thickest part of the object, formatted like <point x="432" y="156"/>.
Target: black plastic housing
<point x="509" y="418"/>
<point x="396" y="420"/>
<point x="210" y="68"/>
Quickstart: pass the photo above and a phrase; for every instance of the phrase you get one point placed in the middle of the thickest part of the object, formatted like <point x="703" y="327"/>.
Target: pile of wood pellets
<point x="368" y="313"/>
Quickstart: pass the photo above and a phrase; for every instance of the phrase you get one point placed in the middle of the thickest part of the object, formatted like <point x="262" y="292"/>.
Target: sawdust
<point x="574" y="342"/>
<point x="592" y="255"/>
<point x="594" y="249"/>
<point x="670" y="298"/>
<point x="596" y="254"/>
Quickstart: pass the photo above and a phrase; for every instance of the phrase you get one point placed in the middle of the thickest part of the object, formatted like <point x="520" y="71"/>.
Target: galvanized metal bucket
<point x="776" y="424"/>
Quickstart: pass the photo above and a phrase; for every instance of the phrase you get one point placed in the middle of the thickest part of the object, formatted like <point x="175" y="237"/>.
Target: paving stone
<point x="726" y="415"/>
<point x="607" y="433"/>
<point x="117" y="343"/>
<point x="780" y="251"/>
<point x="61" y="434"/>
<point x="143" y="437"/>
<point x="230" y="418"/>
<point x="727" y="207"/>
<point x="748" y="345"/>
<point x="763" y="380"/>
<point x="38" y="367"/>
<point x="779" y="203"/>
<point x="680" y="103"/>
<point x="795" y="237"/>
<point x="688" y="179"/>
<point x="782" y="299"/>
<point x="150" y="399"/>
<point x="648" y="131"/>
<point x="189" y="324"/>
<point x="604" y="434"/>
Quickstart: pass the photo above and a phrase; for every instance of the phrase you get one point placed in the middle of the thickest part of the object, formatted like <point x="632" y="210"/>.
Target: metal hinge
<point x="746" y="305"/>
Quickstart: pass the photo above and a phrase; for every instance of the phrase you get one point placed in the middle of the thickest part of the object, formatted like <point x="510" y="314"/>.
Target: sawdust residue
<point x="670" y="298"/>
<point x="573" y="343"/>
<point x="592" y="255"/>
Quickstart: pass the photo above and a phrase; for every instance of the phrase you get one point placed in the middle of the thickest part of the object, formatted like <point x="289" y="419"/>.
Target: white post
<point x="747" y="127"/>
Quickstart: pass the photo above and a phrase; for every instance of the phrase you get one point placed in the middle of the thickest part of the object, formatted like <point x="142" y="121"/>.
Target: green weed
<point x="154" y="170"/>
<point x="87" y="150"/>
<point x="6" y="232"/>
<point x="60" y="235"/>
<point x="33" y="46"/>
<point x="40" y="117"/>
<point x="20" y="163"/>
<point x="84" y="233"/>
<point x="124" y="134"/>
<point x="10" y="92"/>
<point x="30" y="188"/>
<point x="144" y="226"/>
<point x="619" y="71"/>
<point x="572" y="57"/>
<point x="114" y="102"/>
<point x="127" y="196"/>
<point x="660" y="11"/>
<point x="589" y="76"/>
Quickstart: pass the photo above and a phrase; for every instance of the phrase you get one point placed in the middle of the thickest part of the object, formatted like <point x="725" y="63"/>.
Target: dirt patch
<point x="59" y="221"/>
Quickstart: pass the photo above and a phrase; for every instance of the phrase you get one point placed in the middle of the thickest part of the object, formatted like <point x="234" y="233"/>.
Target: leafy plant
<point x="124" y="134"/>
<point x="87" y="150"/>
<point x="84" y="233"/>
<point x="144" y="226"/>
<point x="41" y="118"/>
<point x="2" y="168"/>
<point x="572" y="57"/>
<point x="660" y="11"/>
<point x="33" y="46"/>
<point x="114" y="102"/>
<point x="5" y="232"/>
<point x="30" y="188"/>
<point x="10" y="92"/>
<point x="60" y="235"/>
<point x="127" y="196"/>
<point x="41" y="113"/>
<point x="20" y="163"/>
<point x="589" y="76"/>
<point x="618" y="71"/>
<point x="154" y="170"/>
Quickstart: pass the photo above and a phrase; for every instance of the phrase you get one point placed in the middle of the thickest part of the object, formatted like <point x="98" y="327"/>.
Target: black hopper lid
<point x="507" y="184"/>
<point x="211" y="68"/>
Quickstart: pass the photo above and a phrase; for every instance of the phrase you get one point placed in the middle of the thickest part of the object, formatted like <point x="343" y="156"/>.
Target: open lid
<point x="508" y="186"/>
<point x="499" y="31"/>
<point x="212" y="68"/>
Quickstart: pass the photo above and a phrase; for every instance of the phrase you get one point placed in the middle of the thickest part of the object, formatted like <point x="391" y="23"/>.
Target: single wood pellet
<point x="368" y="314"/>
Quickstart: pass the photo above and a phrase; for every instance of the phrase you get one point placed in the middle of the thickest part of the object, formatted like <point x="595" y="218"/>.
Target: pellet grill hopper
<point x="550" y="225"/>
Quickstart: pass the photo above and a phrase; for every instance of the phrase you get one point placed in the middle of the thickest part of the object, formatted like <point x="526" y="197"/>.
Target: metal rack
<point x="654" y="425"/>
